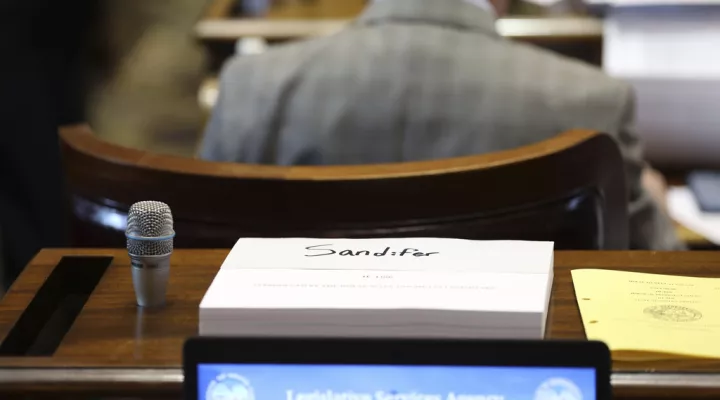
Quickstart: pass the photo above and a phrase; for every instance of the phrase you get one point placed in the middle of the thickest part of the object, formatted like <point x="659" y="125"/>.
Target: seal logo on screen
<point x="673" y="313"/>
<point x="558" y="389"/>
<point x="229" y="387"/>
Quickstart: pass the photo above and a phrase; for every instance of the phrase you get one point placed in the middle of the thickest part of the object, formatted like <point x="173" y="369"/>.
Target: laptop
<point x="371" y="369"/>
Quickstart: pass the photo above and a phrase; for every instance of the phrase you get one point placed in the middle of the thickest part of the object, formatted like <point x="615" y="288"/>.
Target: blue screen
<point x="396" y="382"/>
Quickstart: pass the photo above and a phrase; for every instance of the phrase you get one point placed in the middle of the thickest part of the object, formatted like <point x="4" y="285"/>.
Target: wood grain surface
<point x="215" y="203"/>
<point x="112" y="334"/>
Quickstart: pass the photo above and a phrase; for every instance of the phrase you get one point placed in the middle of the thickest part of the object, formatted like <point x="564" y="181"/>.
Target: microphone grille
<point x="150" y="229"/>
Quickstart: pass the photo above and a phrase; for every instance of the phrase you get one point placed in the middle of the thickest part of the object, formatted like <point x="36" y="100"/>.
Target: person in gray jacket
<point x="417" y="80"/>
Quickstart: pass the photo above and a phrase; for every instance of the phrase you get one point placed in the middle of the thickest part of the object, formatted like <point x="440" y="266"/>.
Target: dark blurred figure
<point x="418" y="80"/>
<point x="42" y="44"/>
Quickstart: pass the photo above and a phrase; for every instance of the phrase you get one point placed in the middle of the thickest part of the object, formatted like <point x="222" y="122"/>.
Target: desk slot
<point x="49" y="316"/>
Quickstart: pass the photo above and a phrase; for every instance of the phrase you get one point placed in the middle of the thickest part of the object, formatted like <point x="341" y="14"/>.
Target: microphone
<point x="150" y="236"/>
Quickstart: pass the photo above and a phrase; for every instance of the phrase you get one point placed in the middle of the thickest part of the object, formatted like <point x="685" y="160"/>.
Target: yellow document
<point x="650" y="317"/>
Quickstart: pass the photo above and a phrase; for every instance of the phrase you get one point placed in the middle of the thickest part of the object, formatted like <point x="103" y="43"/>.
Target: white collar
<point x="484" y="4"/>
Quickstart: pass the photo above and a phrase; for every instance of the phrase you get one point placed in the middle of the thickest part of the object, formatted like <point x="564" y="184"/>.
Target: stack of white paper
<point x="383" y="288"/>
<point x="683" y="208"/>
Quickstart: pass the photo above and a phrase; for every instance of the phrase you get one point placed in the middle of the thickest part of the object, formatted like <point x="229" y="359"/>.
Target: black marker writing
<point x="320" y="250"/>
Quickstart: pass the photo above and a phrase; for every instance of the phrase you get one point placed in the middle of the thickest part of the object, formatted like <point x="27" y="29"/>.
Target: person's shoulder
<point x="577" y="78"/>
<point x="278" y="57"/>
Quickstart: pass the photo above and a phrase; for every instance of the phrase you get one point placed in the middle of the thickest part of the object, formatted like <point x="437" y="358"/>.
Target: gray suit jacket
<point x="418" y="80"/>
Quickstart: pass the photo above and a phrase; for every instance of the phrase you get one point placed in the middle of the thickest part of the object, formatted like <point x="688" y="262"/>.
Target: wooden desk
<point x="116" y="348"/>
<point x="223" y="22"/>
<point x="232" y="29"/>
<point x="578" y="37"/>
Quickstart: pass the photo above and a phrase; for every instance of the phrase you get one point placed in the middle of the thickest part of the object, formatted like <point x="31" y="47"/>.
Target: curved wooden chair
<point x="569" y="189"/>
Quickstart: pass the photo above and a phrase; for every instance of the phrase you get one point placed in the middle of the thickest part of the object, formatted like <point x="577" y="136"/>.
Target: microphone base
<point x="150" y="276"/>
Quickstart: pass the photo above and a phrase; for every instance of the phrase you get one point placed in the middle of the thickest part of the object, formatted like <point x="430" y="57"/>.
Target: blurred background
<point x="144" y="75"/>
<point x="146" y="94"/>
<point x="160" y="58"/>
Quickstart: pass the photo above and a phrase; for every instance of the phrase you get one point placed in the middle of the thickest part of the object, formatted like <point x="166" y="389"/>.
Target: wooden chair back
<point x="569" y="189"/>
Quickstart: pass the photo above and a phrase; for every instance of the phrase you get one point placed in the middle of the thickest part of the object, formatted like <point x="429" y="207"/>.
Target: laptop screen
<point x="392" y="382"/>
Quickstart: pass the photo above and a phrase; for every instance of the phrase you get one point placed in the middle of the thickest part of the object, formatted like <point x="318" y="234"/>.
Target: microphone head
<point x="149" y="229"/>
